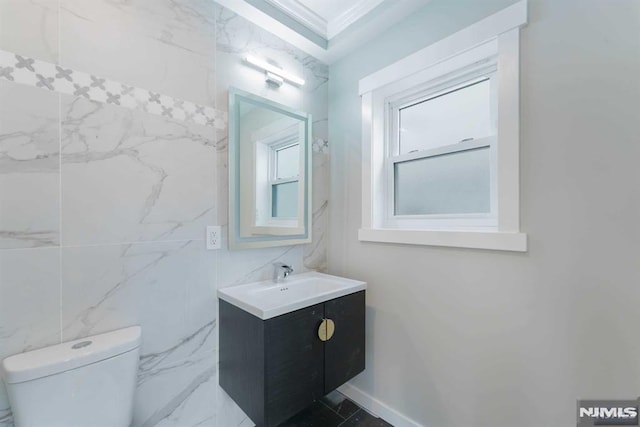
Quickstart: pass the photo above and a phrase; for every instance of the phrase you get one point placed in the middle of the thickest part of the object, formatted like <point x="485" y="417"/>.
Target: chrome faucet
<point x="281" y="271"/>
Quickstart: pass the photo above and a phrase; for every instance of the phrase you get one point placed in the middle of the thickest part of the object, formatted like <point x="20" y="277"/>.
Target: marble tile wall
<point x="103" y="206"/>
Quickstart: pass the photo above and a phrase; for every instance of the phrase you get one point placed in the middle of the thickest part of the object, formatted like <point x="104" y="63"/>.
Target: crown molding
<point x="319" y="25"/>
<point x="264" y="20"/>
<point x="386" y="14"/>
<point x="302" y="14"/>
<point x="350" y="16"/>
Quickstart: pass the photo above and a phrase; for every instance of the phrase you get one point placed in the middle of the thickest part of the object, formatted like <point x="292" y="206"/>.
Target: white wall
<point x="478" y="338"/>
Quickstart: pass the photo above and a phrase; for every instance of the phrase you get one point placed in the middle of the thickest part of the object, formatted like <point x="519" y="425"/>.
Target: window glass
<point x="447" y="119"/>
<point x="287" y="162"/>
<point x="284" y="200"/>
<point x="452" y="183"/>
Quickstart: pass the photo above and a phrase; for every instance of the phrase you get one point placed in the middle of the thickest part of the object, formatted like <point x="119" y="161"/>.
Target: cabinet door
<point x="294" y="363"/>
<point x="344" y="352"/>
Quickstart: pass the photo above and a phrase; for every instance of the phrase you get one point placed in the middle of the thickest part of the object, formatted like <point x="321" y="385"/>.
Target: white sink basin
<point x="268" y="299"/>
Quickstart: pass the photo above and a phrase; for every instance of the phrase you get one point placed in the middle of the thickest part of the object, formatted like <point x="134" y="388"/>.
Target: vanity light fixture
<point x="273" y="79"/>
<point x="274" y="75"/>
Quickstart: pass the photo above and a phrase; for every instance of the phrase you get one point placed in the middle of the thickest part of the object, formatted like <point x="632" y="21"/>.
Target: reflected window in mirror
<point x="284" y="181"/>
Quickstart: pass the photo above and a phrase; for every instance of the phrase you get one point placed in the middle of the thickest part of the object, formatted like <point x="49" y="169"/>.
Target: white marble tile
<point x="202" y="306"/>
<point x="6" y="419"/>
<point x="29" y="305"/>
<point x="222" y="174"/>
<point x="316" y="102"/>
<point x="232" y="71"/>
<point x="29" y="167"/>
<point x="237" y="37"/>
<point x="185" y="24"/>
<point x="128" y="176"/>
<point x="145" y="44"/>
<point x="182" y="393"/>
<point x="29" y="299"/>
<point x="315" y="253"/>
<point x="200" y="331"/>
<point x="30" y="28"/>
<point x="228" y="413"/>
<point x="317" y="75"/>
<point x="249" y="265"/>
<point x="235" y="34"/>
<point x="110" y="287"/>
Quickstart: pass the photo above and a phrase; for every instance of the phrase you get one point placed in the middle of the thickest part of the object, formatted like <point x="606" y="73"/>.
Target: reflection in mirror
<point x="269" y="172"/>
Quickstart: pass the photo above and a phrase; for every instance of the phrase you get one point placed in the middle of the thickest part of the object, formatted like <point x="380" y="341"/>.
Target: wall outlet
<point x="214" y="236"/>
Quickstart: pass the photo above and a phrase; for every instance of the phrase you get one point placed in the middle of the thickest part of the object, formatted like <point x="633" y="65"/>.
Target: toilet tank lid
<point x="69" y="355"/>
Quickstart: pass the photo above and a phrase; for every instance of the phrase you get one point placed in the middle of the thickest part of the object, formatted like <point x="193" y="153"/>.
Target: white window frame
<point x="291" y="141"/>
<point x="489" y="46"/>
<point x="270" y="224"/>
<point x="468" y="77"/>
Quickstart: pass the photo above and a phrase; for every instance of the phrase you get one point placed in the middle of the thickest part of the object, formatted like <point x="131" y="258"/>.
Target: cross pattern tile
<point x="320" y="145"/>
<point x="47" y="76"/>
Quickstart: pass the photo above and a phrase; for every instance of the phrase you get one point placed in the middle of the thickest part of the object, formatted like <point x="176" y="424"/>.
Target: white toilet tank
<point x="88" y="382"/>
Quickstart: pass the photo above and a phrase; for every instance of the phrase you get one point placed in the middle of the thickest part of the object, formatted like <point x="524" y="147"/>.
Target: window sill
<point x="492" y="240"/>
<point x="269" y="230"/>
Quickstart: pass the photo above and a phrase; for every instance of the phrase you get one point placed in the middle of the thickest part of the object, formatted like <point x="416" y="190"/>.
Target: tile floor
<point x="335" y="410"/>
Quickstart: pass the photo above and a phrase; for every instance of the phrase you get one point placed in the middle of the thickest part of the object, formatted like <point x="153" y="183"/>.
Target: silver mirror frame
<point x="235" y="240"/>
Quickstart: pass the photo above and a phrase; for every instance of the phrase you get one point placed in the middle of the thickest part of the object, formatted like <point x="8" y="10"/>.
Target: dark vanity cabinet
<point x="274" y="368"/>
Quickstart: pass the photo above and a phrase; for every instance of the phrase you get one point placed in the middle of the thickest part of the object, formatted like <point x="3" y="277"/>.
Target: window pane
<point x="284" y="200"/>
<point x="447" y="119"/>
<point x="454" y="183"/>
<point x="287" y="162"/>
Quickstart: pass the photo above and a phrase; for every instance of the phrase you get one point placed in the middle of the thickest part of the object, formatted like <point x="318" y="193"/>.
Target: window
<point x="440" y="154"/>
<point x="277" y="177"/>
<point x="440" y="141"/>
<point x="456" y="114"/>
<point x="284" y="180"/>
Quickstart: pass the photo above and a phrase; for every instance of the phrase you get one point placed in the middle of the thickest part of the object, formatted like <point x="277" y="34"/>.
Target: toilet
<point x="88" y="382"/>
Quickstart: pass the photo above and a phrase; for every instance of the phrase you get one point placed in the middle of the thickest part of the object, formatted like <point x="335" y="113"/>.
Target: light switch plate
<point x="214" y="236"/>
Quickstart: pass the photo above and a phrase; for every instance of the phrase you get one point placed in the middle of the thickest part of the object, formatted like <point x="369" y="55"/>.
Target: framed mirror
<point x="269" y="173"/>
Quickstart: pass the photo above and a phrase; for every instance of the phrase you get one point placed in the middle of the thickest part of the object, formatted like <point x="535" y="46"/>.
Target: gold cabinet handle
<point x="326" y="329"/>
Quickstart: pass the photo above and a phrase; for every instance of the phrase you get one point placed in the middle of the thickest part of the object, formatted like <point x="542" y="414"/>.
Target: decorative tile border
<point x="33" y="72"/>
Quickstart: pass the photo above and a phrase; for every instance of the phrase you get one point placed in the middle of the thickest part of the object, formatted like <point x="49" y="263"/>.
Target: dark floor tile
<point x="340" y="404"/>
<point x="364" y="419"/>
<point x="316" y="415"/>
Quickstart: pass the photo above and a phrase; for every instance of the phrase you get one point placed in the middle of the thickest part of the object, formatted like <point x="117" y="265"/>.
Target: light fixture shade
<point x="273" y="79"/>
<point x="270" y="68"/>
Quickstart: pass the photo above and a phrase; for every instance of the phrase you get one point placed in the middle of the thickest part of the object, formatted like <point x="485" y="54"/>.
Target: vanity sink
<point x="286" y="342"/>
<point x="268" y="299"/>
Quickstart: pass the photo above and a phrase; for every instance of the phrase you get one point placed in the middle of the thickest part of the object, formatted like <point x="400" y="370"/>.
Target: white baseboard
<point x="376" y="407"/>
